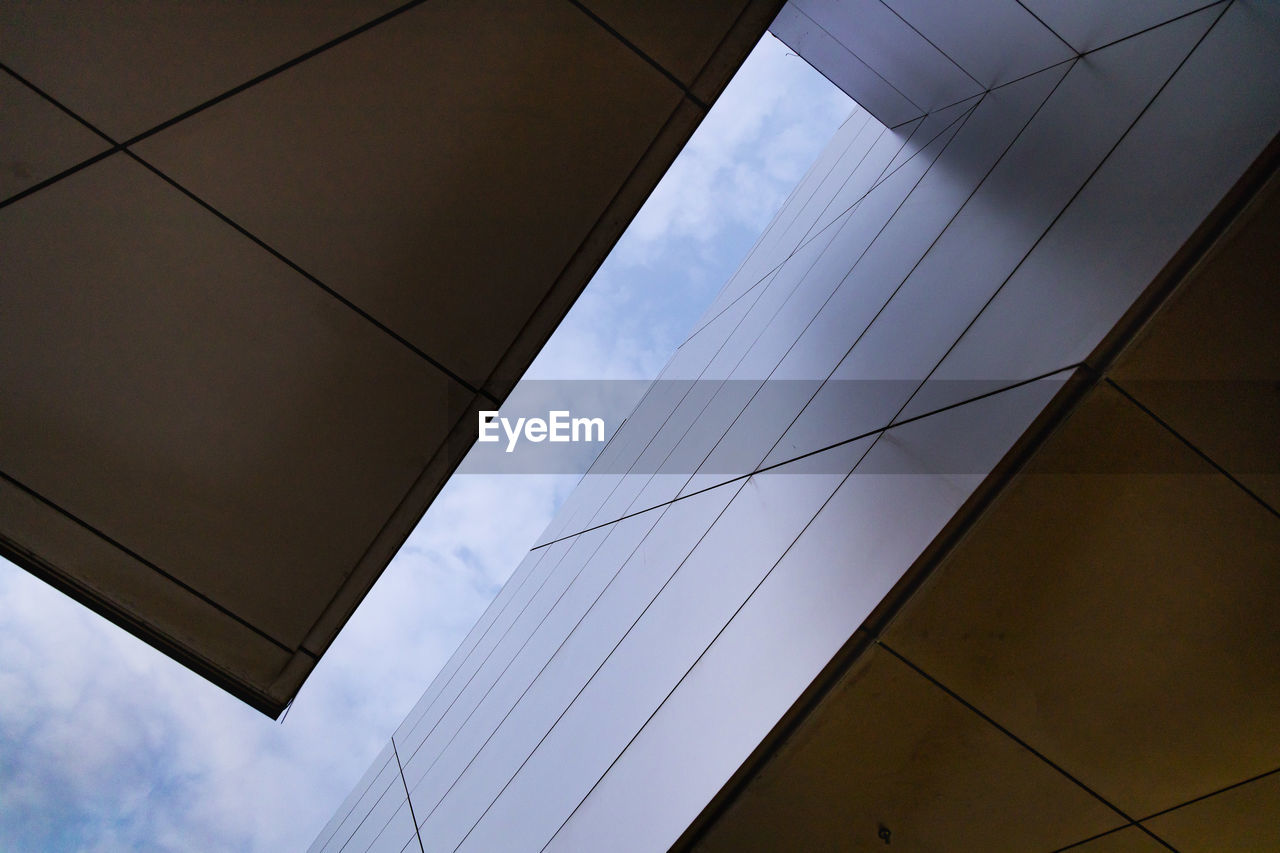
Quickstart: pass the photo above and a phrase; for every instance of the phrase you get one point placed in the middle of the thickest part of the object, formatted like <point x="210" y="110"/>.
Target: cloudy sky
<point x="106" y="744"/>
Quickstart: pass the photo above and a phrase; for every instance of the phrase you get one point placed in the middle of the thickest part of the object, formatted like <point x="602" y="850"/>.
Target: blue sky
<point x="106" y="744"/>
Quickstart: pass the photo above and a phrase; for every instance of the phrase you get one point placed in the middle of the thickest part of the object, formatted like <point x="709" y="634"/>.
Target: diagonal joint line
<point x="1007" y="733"/>
<point x="1190" y="446"/>
<point x="260" y="243"/>
<point x="634" y="48"/>
<point x="275" y="253"/>
<point x="143" y="561"/>
<point x="407" y="798"/>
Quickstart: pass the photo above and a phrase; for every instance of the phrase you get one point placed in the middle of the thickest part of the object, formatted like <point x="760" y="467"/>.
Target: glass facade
<point x="930" y="289"/>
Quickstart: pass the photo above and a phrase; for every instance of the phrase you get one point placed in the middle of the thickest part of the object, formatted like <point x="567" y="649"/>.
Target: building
<point x="953" y="524"/>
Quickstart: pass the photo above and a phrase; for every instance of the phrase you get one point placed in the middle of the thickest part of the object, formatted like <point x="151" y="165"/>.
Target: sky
<point x="106" y="744"/>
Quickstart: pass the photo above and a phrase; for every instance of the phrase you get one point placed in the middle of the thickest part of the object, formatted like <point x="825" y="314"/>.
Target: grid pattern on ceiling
<point x="70" y="138"/>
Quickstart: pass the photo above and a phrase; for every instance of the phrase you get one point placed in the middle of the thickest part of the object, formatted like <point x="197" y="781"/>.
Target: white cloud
<point x="733" y="172"/>
<point x="109" y="745"/>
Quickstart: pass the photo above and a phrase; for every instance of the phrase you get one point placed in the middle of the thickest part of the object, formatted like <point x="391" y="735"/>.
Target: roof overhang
<point x="261" y="267"/>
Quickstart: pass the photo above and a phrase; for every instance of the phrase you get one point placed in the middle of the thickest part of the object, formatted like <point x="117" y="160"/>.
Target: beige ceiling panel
<point x="678" y="35"/>
<point x="887" y="749"/>
<point x="1209" y="362"/>
<point x="1120" y="618"/>
<point x="38" y="140"/>
<point x="1243" y="818"/>
<point x="128" y="65"/>
<point x="198" y="401"/>
<point x="438" y="170"/>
